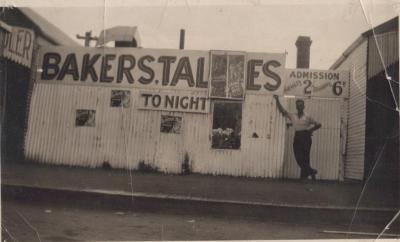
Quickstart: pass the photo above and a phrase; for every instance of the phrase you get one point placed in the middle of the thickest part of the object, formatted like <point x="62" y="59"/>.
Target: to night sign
<point x="173" y="101"/>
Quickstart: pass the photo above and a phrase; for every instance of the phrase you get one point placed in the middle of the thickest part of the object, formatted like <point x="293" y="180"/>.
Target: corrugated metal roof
<point x="347" y="52"/>
<point x="5" y="26"/>
<point x="388" y="26"/>
<point x="383" y="51"/>
<point x="47" y="29"/>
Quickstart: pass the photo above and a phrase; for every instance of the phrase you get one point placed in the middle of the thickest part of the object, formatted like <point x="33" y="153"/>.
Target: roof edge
<point x="392" y="24"/>
<point x="48" y="28"/>
<point x="348" y="51"/>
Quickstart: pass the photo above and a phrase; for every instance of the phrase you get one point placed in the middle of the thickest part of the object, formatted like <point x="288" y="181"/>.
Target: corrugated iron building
<point x="356" y="63"/>
<point x="125" y="137"/>
<point x="129" y="137"/>
<point x="16" y="84"/>
<point x="373" y="121"/>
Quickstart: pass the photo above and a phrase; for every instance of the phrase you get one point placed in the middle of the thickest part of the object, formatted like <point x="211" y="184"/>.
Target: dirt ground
<point x="38" y="222"/>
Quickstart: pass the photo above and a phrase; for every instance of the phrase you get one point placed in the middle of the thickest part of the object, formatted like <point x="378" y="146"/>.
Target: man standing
<point x="304" y="126"/>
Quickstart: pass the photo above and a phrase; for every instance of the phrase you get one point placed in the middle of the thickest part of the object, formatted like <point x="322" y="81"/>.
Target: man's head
<point x="300" y="105"/>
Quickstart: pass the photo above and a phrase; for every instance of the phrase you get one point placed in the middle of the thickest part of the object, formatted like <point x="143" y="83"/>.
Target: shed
<point x="373" y="115"/>
<point x="33" y="31"/>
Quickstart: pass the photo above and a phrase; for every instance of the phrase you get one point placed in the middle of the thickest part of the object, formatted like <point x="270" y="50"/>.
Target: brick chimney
<point x="303" y="44"/>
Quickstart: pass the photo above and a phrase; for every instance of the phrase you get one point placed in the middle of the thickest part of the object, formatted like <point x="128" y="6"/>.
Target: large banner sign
<point x="17" y="45"/>
<point x="231" y="75"/>
<point x="317" y="83"/>
<point x="124" y="67"/>
<point x="158" y="69"/>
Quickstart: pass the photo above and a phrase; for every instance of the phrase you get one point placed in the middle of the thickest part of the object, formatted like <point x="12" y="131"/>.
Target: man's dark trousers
<point x="301" y="147"/>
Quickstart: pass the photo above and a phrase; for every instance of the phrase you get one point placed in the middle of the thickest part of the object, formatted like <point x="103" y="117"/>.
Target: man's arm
<point x="315" y="126"/>
<point x="280" y="107"/>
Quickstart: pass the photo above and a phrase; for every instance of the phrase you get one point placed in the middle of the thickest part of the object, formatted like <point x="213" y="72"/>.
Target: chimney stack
<point x="303" y="44"/>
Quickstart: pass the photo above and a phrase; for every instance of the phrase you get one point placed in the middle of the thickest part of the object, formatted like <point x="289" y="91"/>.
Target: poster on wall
<point x="236" y="83"/>
<point x="120" y="98"/>
<point x="227" y="75"/>
<point x="85" y="117"/>
<point x="171" y="124"/>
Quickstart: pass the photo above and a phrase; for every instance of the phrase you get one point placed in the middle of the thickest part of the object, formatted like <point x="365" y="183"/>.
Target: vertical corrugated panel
<point x="356" y="63"/>
<point x="257" y="157"/>
<point x="382" y="46"/>
<point x="325" y="150"/>
<point x="343" y="136"/>
<point x="124" y="137"/>
<point x="265" y="152"/>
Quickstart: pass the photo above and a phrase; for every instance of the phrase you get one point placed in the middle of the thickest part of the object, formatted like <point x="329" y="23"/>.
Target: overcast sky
<point x="257" y="26"/>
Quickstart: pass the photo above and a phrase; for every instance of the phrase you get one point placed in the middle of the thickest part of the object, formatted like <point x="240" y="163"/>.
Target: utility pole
<point x="182" y="39"/>
<point x="88" y="37"/>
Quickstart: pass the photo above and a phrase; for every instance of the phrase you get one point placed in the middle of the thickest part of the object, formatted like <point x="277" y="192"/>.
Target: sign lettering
<point x="17" y="45"/>
<point x="157" y="69"/>
<point x="316" y="83"/>
<point x="173" y="101"/>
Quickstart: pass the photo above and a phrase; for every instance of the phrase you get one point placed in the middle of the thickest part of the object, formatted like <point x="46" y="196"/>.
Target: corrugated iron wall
<point x="123" y="137"/>
<point x="356" y="63"/>
<point x="382" y="47"/>
<point x="325" y="150"/>
<point x="382" y="120"/>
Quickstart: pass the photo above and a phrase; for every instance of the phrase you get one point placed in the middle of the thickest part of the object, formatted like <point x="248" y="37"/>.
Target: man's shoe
<point x="313" y="173"/>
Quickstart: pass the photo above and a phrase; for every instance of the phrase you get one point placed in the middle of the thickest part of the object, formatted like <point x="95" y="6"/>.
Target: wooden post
<point x="182" y="40"/>
<point x="88" y="37"/>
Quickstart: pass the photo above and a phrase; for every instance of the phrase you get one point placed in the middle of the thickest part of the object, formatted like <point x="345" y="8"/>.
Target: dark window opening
<point x="85" y="117"/>
<point x="227" y="121"/>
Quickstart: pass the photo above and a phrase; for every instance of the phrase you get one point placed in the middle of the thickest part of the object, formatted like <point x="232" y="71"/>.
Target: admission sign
<point x="316" y="83"/>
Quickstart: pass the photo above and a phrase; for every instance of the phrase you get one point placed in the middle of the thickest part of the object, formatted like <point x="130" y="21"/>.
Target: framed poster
<point x="171" y="124"/>
<point x="85" y="117"/>
<point x="120" y="98"/>
<point x="227" y="75"/>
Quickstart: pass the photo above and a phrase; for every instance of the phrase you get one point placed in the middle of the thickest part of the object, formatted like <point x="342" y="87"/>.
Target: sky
<point x="268" y="26"/>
